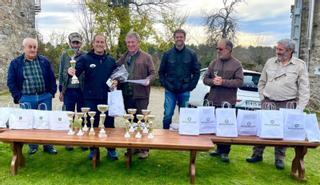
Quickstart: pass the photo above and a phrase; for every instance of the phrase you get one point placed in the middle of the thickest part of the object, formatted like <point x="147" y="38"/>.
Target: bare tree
<point x="221" y="23"/>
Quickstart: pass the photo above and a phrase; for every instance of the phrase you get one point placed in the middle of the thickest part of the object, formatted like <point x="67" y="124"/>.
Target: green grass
<point x="162" y="167"/>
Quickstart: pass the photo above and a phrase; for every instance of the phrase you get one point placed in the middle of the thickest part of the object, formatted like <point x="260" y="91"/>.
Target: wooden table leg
<point x="297" y="168"/>
<point x="96" y="157"/>
<point x="17" y="158"/>
<point x="192" y="166"/>
<point x="129" y="157"/>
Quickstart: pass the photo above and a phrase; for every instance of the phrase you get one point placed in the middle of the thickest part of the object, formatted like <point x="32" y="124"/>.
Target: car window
<point x="250" y="82"/>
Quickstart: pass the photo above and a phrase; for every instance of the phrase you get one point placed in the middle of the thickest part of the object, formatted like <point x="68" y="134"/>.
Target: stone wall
<point x="314" y="59"/>
<point x="17" y="21"/>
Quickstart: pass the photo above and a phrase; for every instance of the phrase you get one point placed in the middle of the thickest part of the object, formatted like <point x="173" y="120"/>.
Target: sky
<point x="259" y="22"/>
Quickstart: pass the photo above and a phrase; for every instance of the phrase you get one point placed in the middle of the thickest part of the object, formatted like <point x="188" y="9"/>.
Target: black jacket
<point x="179" y="70"/>
<point x="97" y="69"/>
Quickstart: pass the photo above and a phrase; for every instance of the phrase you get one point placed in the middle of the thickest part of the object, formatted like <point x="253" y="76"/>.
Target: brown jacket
<point x="232" y="75"/>
<point x="143" y="69"/>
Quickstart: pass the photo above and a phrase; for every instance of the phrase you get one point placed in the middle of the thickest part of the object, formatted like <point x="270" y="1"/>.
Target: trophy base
<point x="74" y="80"/>
<point x="102" y="135"/>
<point x="127" y="135"/>
<point x="150" y="136"/>
<point x="80" y="133"/>
<point x="85" y="128"/>
<point x="138" y="135"/>
<point x="145" y="131"/>
<point x="91" y="132"/>
<point x="71" y="132"/>
<point x="131" y="129"/>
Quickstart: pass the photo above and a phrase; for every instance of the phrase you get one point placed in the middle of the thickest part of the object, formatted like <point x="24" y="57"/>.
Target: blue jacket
<point x="97" y="70"/>
<point x="15" y="76"/>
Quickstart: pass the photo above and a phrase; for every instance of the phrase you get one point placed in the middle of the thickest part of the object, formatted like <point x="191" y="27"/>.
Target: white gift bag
<point x="312" y="128"/>
<point x="226" y="122"/>
<point x="293" y="124"/>
<point x="189" y="121"/>
<point x="58" y="120"/>
<point x="4" y="116"/>
<point x="21" y="119"/>
<point x="271" y="124"/>
<point x="207" y="120"/>
<point x="41" y="119"/>
<point x="247" y="122"/>
<point x="115" y="103"/>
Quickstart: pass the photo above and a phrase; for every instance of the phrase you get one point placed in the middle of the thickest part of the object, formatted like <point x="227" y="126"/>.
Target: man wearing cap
<point x="71" y="94"/>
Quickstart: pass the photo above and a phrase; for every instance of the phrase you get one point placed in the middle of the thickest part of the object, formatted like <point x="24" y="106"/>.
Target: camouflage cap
<point x="75" y="36"/>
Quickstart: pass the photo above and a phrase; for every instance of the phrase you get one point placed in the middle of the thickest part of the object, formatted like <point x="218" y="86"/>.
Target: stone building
<point x="17" y="21"/>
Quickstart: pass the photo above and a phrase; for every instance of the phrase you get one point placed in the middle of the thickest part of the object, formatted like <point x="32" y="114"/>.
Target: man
<point x="179" y="74"/>
<point x="70" y="94"/>
<point x="31" y="81"/>
<point x="224" y="76"/>
<point x="97" y="66"/>
<point x="283" y="79"/>
<point x="139" y="64"/>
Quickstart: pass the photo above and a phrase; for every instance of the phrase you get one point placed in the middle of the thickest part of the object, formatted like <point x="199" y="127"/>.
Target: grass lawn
<point x="162" y="167"/>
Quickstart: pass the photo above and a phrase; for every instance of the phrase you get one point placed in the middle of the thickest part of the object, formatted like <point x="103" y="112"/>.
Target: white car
<point x="247" y="95"/>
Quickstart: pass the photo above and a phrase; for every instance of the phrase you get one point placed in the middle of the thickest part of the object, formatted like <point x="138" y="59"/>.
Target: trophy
<point x="138" y="134"/>
<point x="102" y="108"/>
<point x="72" y="53"/>
<point x="91" y="114"/>
<point x="150" y="121"/>
<point x="78" y="120"/>
<point x="70" y="116"/>
<point x="127" y="122"/>
<point x="85" y="110"/>
<point x="132" y="112"/>
<point x="145" y="113"/>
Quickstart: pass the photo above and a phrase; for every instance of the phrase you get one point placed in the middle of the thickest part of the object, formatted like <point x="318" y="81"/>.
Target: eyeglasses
<point x="75" y="42"/>
<point x="220" y="49"/>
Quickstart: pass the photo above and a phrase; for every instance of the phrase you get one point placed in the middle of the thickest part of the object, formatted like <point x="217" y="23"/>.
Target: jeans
<point x="37" y="102"/>
<point x="170" y="102"/>
<point x="72" y="98"/>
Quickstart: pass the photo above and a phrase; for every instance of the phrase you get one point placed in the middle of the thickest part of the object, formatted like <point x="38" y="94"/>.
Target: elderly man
<point x="284" y="79"/>
<point x="179" y="73"/>
<point x="31" y="81"/>
<point x="139" y="64"/>
<point x="71" y="94"/>
<point x="224" y="76"/>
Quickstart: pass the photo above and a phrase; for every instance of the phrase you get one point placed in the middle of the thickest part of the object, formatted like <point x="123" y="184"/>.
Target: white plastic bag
<point x="247" y="122"/>
<point x="293" y="124"/>
<point x="115" y="103"/>
<point x="4" y="116"/>
<point x="312" y="128"/>
<point x="21" y="119"/>
<point x="58" y="120"/>
<point x="208" y="121"/>
<point x="271" y="124"/>
<point x="189" y="121"/>
<point x="226" y="122"/>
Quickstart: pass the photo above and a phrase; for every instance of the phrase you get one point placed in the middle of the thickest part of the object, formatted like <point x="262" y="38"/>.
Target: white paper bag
<point x="41" y="119"/>
<point x="4" y="116"/>
<point x="21" y="119"/>
<point x="312" y="128"/>
<point x="208" y="121"/>
<point x="247" y="122"/>
<point x="226" y="122"/>
<point x="58" y="120"/>
<point x="293" y="124"/>
<point x="115" y="103"/>
<point x="271" y="124"/>
<point x="189" y="121"/>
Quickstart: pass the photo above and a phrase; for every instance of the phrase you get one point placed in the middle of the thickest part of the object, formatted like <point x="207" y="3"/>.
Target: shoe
<point x="279" y="164"/>
<point x="84" y="148"/>
<point x="254" y="159"/>
<point x="215" y="153"/>
<point x="225" y="158"/>
<point x="90" y="156"/>
<point x="50" y="150"/>
<point x="112" y="155"/>
<point x="143" y="155"/>
<point x="69" y="148"/>
<point x="32" y="151"/>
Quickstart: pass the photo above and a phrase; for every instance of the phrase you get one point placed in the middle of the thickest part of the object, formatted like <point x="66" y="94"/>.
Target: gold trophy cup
<point x="132" y="112"/>
<point x="71" y="129"/>
<point x="150" y="121"/>
<point x="102" y="108"/>
<point x="91" y="114"/>
<point x="85" y="111"/>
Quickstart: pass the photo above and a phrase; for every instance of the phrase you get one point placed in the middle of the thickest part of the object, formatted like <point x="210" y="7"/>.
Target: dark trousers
<point x="73" y="98"/>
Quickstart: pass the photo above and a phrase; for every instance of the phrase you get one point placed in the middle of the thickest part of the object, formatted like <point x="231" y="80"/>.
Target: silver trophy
<point x="127" y="123"/>
<point x="85" y="110"/>
<point x="102" y="108"/>
<point x="91" y="114"/>
<point x="138" y="134"/>
<point x="78" y="120"/>
<point x="132" y="112"/>
<point x="145" y="113"/>
<point x="150" y="121"/>
<point x="71" y="127"/>
<point x="72" y="53"/>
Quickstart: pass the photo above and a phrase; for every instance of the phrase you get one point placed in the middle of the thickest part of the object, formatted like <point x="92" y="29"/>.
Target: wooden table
<point x="164" y="139"/>
<point x="301" y="148"/>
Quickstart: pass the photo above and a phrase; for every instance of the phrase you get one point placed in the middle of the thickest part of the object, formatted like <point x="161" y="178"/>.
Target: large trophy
<point x="91" y="114"/>
<point x="127" y="123"/>
<point x="85" y="111"/>
<point x="150" y="124"/>
<point x="72" y="53"/>
<point x="78" y="120"/>
<point x="102" y="108"/>
<point x="71" y="127"/>
<point x="132" y="112"/>
<point x="145" y="113"/>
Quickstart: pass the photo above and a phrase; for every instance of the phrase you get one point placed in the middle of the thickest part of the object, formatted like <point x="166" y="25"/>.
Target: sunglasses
<point x="75" y="42"/>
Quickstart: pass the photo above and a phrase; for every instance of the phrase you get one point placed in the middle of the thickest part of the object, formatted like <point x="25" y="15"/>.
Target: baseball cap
<point x="75" y="37"/>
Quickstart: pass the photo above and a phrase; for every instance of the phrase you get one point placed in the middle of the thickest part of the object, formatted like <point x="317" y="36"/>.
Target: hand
<point x="61" y="95"/>
<point x="147" y="82"/>
<point x="217" y="80"/>
<point x="71" y="71"/>
<point x="114" y="84"/>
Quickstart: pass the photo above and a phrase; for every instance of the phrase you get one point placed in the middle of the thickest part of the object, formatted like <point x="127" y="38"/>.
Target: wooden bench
<point x="300" y="147"/>
<point x="164" y="139"/>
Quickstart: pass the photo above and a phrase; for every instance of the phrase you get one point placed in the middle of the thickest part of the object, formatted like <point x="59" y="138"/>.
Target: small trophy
<point x="145" y="113"/>
<point x="127" y="122"/>
<point x="102" y="108"/>
<point x="85" y="110"/>
<point x="138" y="134"/>
<point x="79" y="122"/>
<point x="132" y="112"/>
<point x="91" y="114"/>
<point x="70" y="116"/>
<point x="150" y="121"/>
<point x="72" y="53"/>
